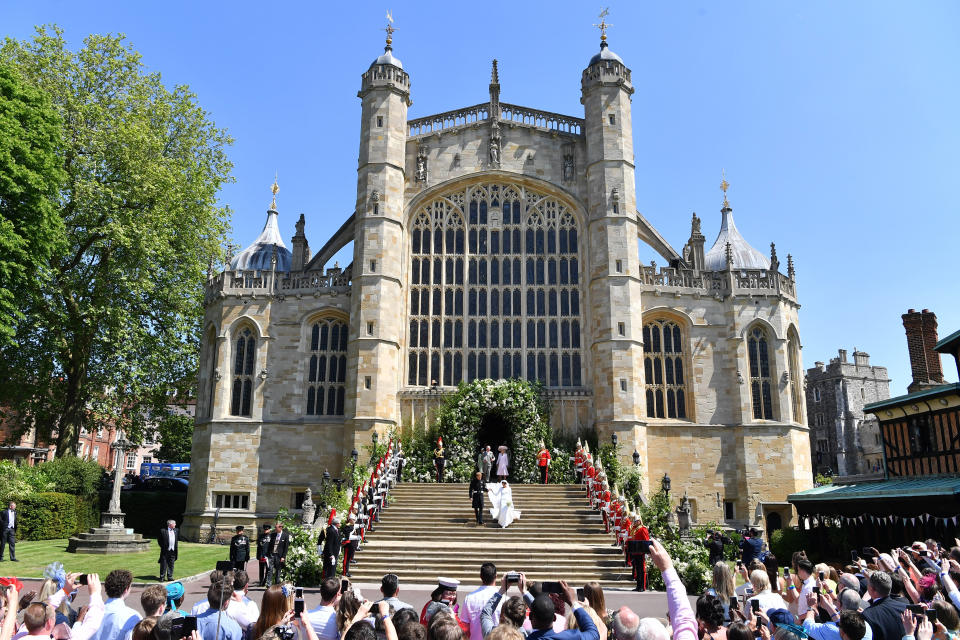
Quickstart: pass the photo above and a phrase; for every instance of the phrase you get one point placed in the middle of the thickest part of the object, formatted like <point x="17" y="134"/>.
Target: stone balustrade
<point x="267" y="283"/>
<point x="744" y="281"/>
<point x="510" y="114"/>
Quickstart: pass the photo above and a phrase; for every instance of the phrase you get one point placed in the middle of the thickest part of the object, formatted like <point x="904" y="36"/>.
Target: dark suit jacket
<point x="164" y="540"/>
<point x="587" y="630"/>
<point x="5" y="518"/>
<point x="282" y="546"/>
<point x="331" y="545"/>
<point x="884" y="618"/>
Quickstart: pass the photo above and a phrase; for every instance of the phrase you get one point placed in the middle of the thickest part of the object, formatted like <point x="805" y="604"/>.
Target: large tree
<point x="31" y="175"/>
<point x="117" y="324"/>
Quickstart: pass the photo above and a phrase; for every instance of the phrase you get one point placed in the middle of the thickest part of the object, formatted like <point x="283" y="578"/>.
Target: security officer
<point x="239" y="549"/>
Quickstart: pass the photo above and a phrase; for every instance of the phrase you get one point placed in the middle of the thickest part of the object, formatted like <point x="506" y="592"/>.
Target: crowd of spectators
<point x="907" y="594"/>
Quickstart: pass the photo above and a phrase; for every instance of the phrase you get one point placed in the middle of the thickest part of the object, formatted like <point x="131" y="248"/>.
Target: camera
<point x="285" y="632"/>
<point x="82" y="579"/>
<point x="513" y="577"/>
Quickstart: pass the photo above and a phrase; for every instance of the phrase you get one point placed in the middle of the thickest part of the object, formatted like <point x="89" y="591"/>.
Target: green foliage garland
<point x="517" y="402"/>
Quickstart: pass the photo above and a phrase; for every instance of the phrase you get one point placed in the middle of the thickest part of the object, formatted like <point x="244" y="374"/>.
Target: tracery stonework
<point x="500" y="241"/>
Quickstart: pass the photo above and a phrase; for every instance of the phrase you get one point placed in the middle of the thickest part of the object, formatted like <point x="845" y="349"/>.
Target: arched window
<point x="758" y="351"/>
<point x="519" y="301"/>
<point x="244" y="359"/>
<point x="796" y="395"/>
<point x="664" y="369"/>
<point x="327" y="367"/>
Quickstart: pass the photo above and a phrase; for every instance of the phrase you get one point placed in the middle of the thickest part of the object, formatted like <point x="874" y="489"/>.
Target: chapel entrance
<point x="494" y="431"/>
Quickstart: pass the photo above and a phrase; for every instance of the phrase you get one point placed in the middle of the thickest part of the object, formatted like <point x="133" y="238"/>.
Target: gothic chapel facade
<point x="499" y="241"/>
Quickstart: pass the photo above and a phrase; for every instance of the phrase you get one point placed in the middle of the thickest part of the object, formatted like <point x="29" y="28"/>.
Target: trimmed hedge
<point x="148" y="511"/>
<point x="47" y="516"/>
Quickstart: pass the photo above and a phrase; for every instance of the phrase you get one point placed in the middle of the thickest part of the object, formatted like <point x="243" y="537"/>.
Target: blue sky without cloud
<point x="838" y="123"/>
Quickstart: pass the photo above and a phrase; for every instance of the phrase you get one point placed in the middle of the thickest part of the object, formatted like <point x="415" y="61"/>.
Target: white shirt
<point x="323" y="619"/>
<point x="200" y="607"/>
<point x="11" y="517"/>
<point x="118" y="619"/>
<point x="172" y="537"/>
<point x="769" y="600"/>
<point x="805" y="589"/>
<point x="472" y="606"/>
<point x="244" y="611"/>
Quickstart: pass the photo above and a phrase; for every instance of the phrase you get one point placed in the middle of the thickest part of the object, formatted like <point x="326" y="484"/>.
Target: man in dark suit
<point x="263" y="554"/>
<point x="542" y="616"/>
<point x="239" y="549"/>
<point x="884" y="612"/>
<point x="9" y="519"/>
<point x="169" y="541"/>
<point x="279" y="541"/>
<point x="331" y="549"/>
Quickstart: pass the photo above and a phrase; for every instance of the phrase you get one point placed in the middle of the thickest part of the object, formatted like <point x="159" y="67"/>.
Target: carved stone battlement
<point x="510" y="115"/>
<point x="711" y="283"/>
<point x="384" y="74"/>
<point x="265" y="283"/>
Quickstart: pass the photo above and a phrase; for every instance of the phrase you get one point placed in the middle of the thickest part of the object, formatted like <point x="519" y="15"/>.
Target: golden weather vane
<point x="724" y="185"/>
<point x="603" y="25"/>
<point x="389" y="29"/>
<point x="274" y="189"/>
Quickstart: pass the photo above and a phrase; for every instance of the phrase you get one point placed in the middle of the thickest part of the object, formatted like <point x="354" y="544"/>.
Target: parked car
<point x="166" y="484"/>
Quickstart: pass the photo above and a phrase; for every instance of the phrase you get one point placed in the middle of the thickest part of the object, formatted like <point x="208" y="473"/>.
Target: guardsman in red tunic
<point x="578" y="459"/>
<point x="604" y="503"/>
<point x="638" y="560"/>
<point x="590" y="472"/>
<point x="617" y="512"/>
<point x="625" y="524"/>
<point x="543" y="461"/>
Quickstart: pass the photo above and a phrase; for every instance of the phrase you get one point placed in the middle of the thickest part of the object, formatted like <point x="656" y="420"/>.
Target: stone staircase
<point x="428" y="530"/>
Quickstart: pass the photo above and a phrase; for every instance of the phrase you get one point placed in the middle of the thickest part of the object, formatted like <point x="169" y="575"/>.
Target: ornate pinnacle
<point x="790" y="270"/>
<point x="274" y="190"/>
<point x="494" y="75"/>
<point x="773" y="252"/>
<point x="729" y="254"/>
<point x="389" y="29"/>
<point x="724" y="185"/>
<point x="603" y="25"/>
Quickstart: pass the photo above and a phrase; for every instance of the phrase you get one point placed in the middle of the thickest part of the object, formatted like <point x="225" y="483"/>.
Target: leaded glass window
<point x="796" y="396"/>
<point x="244" y="359"/>
<point x="327" y="368"/>
<point x="494" y="289"/>
<point x="664" y="370"/>
<point x="758" y="352"/>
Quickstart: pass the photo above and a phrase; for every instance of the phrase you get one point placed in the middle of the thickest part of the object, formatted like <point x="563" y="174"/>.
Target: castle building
<point x="501" y="241"/>
<point x="844" y="440"/>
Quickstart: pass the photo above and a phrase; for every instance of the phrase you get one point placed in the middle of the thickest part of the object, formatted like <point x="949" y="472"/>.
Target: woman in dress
<point x="503" y="461"/>
<point x="501" y="497"/>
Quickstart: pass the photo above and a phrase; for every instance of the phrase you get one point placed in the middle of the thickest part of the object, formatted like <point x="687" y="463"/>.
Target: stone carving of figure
<point x="495" y="146"/>
<point x="683" y="513"/>
<point x="568" y="167"/>
<point x="309" y="509"/>
<point x="421" y="175"/>
<point x="695" y="225"/>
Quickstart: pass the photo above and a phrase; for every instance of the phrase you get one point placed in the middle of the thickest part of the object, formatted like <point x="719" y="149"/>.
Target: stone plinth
<point x="109" y="537"/>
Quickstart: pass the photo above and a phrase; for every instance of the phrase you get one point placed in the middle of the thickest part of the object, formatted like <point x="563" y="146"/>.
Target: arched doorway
<point x="494" y="431"/>
<point x="774" y="522"/>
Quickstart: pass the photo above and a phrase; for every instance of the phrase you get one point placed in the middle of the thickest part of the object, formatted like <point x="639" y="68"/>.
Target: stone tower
<point x="376" y="328"/>
<point x="616" y="341"/>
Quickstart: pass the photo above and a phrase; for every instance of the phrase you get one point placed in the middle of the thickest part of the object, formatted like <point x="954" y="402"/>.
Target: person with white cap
<point x="443" y="599"/>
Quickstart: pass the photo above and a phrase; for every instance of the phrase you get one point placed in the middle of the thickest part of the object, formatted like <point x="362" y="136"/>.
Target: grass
<point x="34" y="556"/>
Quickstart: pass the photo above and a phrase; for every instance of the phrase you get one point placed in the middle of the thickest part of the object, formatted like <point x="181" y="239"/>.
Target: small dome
<point x="605" y="54"/>
<point x="744" y="256"/>
<point x="388" y="58"/>
<point x="259" y="255"/>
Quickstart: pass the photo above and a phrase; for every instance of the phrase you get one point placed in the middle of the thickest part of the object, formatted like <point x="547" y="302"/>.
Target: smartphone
<point x="182" y="627"/>
<point x="646" y="545"/>
<point x="551" y="587"/>
<point x="299" y="590"/>
<point x="734" y="602"/>
<point x="580" y="596"/>
<point x="513" y="578"/>
<point x="786" y="572"/>
<point x="932" y="615"/>
<point x="82" y="579"/>
<point x="816" y="589"/>
<point x="755" y="606"/>
<point x="822" y="576"/>
<point x="298" y="606"/>
<point x="916" y="609"/>
<point x="854" y="556"/>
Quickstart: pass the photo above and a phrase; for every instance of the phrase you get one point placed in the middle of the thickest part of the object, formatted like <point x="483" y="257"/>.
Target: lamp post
<point x="373" y="453"/>
<point x="636" y="458"/>
<point x="354" y="454"/>
<point x="665" y="485"/>
<point x="614" y="439"/>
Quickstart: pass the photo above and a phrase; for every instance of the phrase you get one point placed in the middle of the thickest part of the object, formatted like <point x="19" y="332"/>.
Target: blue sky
<point x="838" y="123"/>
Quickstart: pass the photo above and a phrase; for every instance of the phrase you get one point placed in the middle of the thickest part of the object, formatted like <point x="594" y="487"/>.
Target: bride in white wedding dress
<point x="501" y="497"/>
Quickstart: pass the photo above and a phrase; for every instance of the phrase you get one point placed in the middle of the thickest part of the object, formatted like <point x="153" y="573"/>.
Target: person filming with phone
<point x="542" y="612"/>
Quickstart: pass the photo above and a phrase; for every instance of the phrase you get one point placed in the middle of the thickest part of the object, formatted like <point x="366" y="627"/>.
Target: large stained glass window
<point x="494" y="289"/>
<point x="327" y="367"/>
<point x="663" y="368"/>
<point x="758" y="351"/>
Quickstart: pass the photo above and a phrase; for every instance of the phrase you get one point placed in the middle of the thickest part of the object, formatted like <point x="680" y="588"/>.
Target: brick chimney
<point x="921" y="328"/>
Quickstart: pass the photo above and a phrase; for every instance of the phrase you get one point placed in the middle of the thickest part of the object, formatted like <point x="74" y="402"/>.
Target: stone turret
<point x="617" y="340"/>
<point x="378" y="275"/>
<point x="301" y="247"/>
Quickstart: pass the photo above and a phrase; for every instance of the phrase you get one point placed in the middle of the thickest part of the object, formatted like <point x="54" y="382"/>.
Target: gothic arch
<point x="235" y="325"/>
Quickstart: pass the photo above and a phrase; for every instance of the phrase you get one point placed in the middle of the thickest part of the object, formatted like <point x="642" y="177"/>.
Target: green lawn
<point x="34" y="556"/>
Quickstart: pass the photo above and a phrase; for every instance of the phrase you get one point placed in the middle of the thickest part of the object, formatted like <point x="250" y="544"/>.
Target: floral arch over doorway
<point x="510" y="409"/>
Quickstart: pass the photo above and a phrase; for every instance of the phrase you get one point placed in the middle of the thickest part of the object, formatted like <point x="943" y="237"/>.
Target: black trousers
<point x="166" y="564"/>
<point x="275" y="567"/>
<point x="543" y="475"/>
<point x="239" y="565"/>
<point x="329" y="568"/>
<point x="264" y="570"/>
<point x="439" y="463"/>
<point x="7" y="537"/>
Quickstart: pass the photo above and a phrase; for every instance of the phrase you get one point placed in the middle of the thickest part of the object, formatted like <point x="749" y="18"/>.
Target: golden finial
<point x="724" y="185"/>
<point x="389" y="28"/>
<point x="274" y="189"/>
<point x="603" y="26"/>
